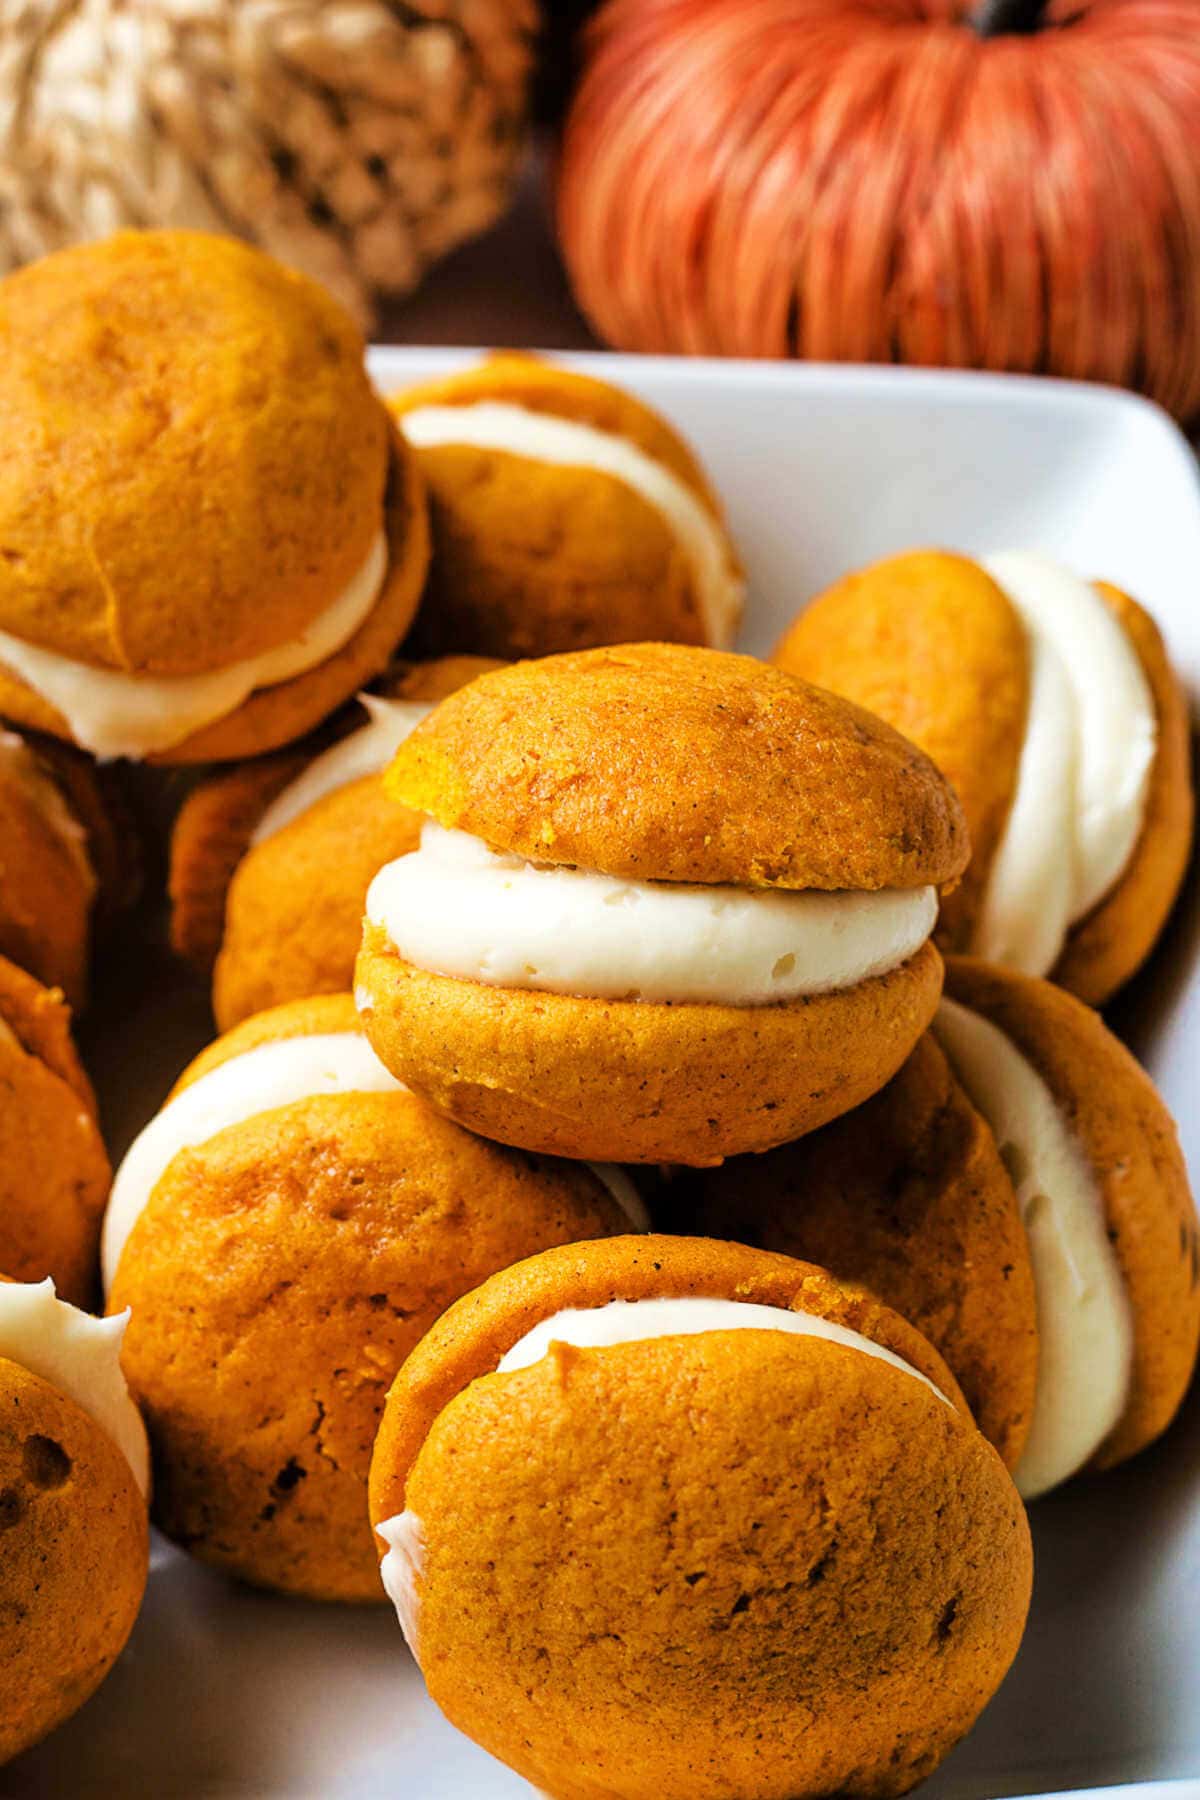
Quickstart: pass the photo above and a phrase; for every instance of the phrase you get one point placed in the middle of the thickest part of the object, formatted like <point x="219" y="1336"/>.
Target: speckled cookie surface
<point x="73" y="1567"/>
<point x="1106" y="947"/>
<point x="47" y="883"/>
<point x="54" y="1173"/>
<point x="907" y="1195"/>
<point x="203" y="459"/>
<point x="930" y="643"/>
<point x="531" y="558"/>
<point x="314" y="1244"/>
<point x="738" y="1564"/>
<point x="292" y="920"/>
<point x="1129" y="1138"/>
<point x="660" y="761"/>
<point x="635" y="1081"/>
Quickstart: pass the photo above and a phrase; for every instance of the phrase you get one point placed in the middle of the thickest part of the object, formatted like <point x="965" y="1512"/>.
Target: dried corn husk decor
<point x="356" y="139"/>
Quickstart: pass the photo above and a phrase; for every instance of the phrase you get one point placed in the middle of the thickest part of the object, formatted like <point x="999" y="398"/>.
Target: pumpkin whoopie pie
<point x="271" y="860"/>
<point x="67" y="858"/>
<point x="670" y="904"/>
<point x="565" y="514"/>
<point x="74" y="1471"/>
<point x="284" y="1231"/>
<point x="1050" y="703"/>
<point x="667" y="1516"/>
<point x="1018" y="1192"/>
<point x="54" y="1172"/>
<point x="213" y="534"/>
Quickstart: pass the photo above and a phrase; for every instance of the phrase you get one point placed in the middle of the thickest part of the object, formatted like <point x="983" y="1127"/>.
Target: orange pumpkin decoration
<point x="894" y="180"/>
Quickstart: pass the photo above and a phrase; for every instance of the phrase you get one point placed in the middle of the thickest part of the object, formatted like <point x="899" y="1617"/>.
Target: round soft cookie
<point x="1051" y="704"/>
<point x="668" y="1516"/>
<point x="213" y="533"/>
<point x="67" y="859"/>
<point x="1018" y="1192"/>
<point x="270" y="862"/>
<point x="909" y="1196"/>
<point x="565" y="513"/>
<point x="54" y="1172"/>
<point x="74" y="1474"/>
<point x="669" y="904"/>
<point x="285" y="1230"/>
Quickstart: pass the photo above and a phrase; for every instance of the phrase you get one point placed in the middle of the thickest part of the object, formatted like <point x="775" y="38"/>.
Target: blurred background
<point x="1006" y="184"/>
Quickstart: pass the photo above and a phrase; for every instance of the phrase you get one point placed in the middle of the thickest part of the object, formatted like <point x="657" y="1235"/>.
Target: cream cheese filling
<point x="80" y="1356"/>
<point x="1084" y="771"/>
<point x="365" y="752"/>
<point x="19" y="765"/>
<point x="271" y="1075"/>
<point x="601" y="1328"/>
<point x="278" y="1073"/>
<point x="542" y="437"/>
<point x="114" y="714"/>
<point x="1084" y="1320"/>
<point x="457" y="907"/>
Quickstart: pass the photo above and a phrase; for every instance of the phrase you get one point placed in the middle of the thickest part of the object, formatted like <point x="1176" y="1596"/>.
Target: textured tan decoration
<point x="356" y="139"/>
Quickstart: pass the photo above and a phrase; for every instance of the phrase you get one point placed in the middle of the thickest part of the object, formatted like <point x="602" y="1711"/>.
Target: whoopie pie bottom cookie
<point x="672" y="1518"/>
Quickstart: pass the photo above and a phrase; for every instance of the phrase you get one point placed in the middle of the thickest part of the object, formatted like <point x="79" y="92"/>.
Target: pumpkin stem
<point x="1005" y="18"/>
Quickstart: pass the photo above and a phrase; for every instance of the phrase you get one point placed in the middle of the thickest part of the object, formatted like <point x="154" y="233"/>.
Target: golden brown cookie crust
<point x="667" y="762"/>
<point x="323" y="1238"/>
<point x="1104" y="949"/>
<point x="930" y="643"/>
<point x="293" y="921"/>
<point x="516" y="379"/>
<point x="1126" y="1133"/>
<point x="203" y="457"/>
<point x="55" y="1174"/>
<point x="472" y="1335"/>
<point x="273" y="716"/>
<point x="634" y="1081"/>
<point x="47" y="890"/>
<point x="908" y="1196"/>
<point x="214" y="826"/>
<point x="75" y="1556"/>
<point x="532" y="558"/>
<point x="748" y="1483"/>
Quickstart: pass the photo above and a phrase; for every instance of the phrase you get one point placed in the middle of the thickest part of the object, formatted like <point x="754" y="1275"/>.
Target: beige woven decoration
<point x="356" y="139"/>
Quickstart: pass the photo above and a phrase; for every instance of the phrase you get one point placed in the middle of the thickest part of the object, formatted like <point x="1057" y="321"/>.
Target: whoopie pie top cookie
<point x="1050" y="703"/>
<point x="565" y="514"/>
<point x="1018" y="1191"/>
<point x="54" y="1173"/>
<point x="74" y="1473"/>
<point x="271" y="861"/>
<point x="212" y="534"/>
<point x="295" y="1214"/>
<point x="666" y="1516"/>
<point x="669" y="904"/>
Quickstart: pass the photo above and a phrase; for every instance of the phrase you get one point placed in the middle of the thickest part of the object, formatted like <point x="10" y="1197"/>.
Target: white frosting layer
<point x="600" y="1328"/>
<point x="459" y="908"/>
<point x="635" y="1321"/>
<point x="19" y="765"/>
<point x="517" y="431"/>
<point x="365" y="752"/>
<point x="1085" y="1329"/>
<point x="80" y="1356"/>
<point x="271" y="1075"/>
<point x="114" y="714"/>
<point x="401" y="1569"/>
<point x="1084" y="771"/>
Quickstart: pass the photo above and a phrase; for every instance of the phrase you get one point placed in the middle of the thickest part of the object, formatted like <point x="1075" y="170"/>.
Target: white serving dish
<point x="225" y="1692"/>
